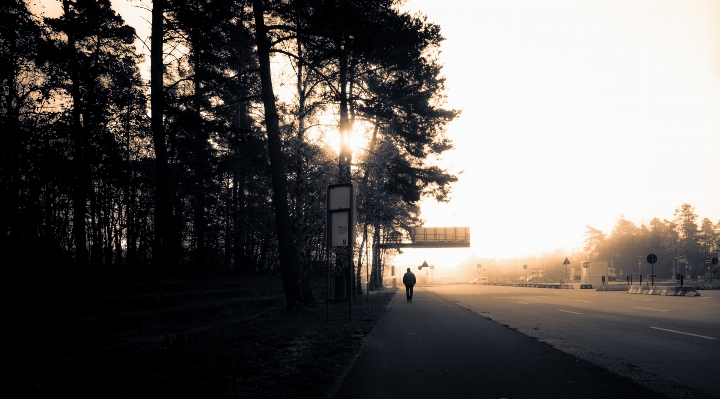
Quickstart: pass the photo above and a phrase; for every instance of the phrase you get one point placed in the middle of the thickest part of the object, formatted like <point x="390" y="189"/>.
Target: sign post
<point x="566" y="263"/>
<point x="707" y="265"/>
<point x="652" y="259"/>
<point x="340" y="233"/>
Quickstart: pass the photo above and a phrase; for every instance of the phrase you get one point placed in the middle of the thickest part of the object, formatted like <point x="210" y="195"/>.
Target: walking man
<point x="409" y="281"/>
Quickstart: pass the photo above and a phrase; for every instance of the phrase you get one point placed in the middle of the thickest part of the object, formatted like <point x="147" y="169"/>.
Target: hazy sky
<point x="573" y="113"/>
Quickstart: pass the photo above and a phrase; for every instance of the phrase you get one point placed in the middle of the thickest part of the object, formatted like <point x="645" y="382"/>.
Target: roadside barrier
<point x="556" y="286"/>
<point x="663" y="290"/>
<point x="655" y="290"/>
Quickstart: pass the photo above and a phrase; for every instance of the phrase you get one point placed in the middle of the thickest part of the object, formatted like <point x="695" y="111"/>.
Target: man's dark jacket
<point x="409" y="278"/>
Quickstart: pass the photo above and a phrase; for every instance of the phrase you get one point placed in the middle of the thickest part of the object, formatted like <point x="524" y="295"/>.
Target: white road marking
<point x="580" y="300"/>
<point x="567" y="311"/>
<point x="659" y="310"/>
<point x="524" y="303"/>
<point x="681" y="332"/>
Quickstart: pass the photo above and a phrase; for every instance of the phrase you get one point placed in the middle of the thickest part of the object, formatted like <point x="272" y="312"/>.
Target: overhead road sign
<point x="431" y="237"/>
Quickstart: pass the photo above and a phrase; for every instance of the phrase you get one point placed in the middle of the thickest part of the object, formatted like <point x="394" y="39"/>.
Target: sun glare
<point x="358" y="138"/>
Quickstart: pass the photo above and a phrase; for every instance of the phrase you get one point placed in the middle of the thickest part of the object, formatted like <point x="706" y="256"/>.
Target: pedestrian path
<point x="434" y="348"/>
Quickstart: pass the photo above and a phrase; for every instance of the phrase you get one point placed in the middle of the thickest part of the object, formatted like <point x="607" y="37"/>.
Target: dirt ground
<point x="274" y="355"/>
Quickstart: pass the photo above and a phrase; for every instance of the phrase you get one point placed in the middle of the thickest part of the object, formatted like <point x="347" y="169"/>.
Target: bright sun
<point x="358" y="138"/>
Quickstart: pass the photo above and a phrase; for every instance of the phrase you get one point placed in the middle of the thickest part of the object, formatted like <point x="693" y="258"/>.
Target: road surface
<point x="675" y="337"/>
<point x="436" y="347"/>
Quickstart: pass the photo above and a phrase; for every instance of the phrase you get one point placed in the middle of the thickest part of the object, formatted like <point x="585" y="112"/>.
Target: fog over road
<point x="675" y="337"/>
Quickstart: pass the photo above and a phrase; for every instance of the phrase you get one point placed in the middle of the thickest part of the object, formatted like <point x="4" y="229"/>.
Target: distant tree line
<point x="623" y="247"/>
<point x="218" y="163"/>
<point x="680" y="238"/>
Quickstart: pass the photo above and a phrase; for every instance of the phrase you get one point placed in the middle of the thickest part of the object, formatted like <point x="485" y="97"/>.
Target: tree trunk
<point x="80" y="181"/>
<point x="240" y="243"/>
<point x="286" y="249"/>
<point x="242" y="264"/>
<point x="201" y="164"/>
<point x="344" y="278"/>
<point x="358" y="279"/>
<point x="12" y="144"/>
<point x="375" y="277"/>
<point x="163" y="256"/>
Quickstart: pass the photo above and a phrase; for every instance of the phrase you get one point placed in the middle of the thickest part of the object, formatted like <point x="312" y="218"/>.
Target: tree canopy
<point x="209" y="166"/>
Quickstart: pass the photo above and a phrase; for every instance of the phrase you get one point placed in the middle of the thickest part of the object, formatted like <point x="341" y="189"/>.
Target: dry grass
<point x="277" y="355"/>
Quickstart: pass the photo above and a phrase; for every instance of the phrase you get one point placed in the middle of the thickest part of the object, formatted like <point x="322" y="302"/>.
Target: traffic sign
<point x="340" y="215"/>
<point x="651" y="259"/>
<point x="566" y="262"/>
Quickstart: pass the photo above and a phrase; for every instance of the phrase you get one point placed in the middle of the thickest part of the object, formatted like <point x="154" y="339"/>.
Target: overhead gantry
<point x="429" y="237"/>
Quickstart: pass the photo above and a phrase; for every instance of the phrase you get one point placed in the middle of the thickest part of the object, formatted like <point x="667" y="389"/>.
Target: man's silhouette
<point x="409" y="281"/>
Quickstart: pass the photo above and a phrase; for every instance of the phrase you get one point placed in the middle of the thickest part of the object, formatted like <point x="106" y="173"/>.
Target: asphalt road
<point x="438" y="348"/>
<point x="676" y="337"/>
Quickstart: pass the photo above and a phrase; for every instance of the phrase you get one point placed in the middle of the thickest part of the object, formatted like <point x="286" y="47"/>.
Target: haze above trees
<point x="622" y="248"/>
